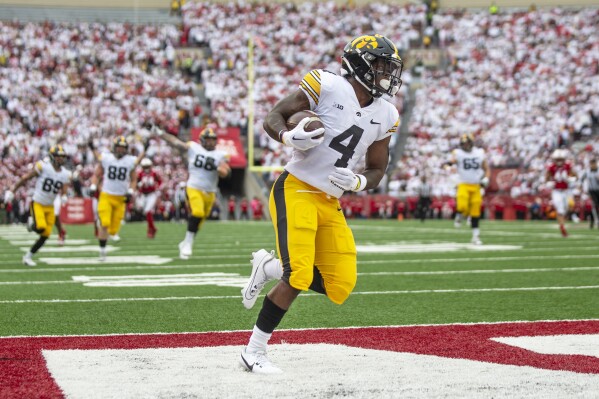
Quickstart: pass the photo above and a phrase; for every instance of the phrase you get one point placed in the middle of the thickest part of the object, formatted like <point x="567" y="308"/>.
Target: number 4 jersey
<point x="49" y="183"/>
<point x="349" y="129"/>
<point x="470" y="164"/>
<point x="202" y="166"/>
<point x="117" y="173"/>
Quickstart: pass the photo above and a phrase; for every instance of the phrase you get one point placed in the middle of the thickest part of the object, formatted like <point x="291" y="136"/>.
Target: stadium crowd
<point x="524" y="83"/>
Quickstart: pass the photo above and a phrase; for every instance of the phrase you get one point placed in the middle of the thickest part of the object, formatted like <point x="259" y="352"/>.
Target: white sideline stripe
<point x="189" y="298"/>
<point x="189" y="278"/>
<point x="468" y="323"/>
<point x="227" y="265"/>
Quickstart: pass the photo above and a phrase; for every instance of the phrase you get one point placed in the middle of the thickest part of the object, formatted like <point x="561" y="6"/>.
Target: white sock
<point x="458" y="217"/>
<point x="476" y="232"/>
<point x="274" y="269"/>
<point x="28" y="255"/>
<point x="189" y="236"/>
<point x="103" y="251"/>
<point x="258" y="341"/>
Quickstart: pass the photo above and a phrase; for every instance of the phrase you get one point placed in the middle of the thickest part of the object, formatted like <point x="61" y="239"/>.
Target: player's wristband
<point x="281" y="133"/>
<point x="361" y="183"/>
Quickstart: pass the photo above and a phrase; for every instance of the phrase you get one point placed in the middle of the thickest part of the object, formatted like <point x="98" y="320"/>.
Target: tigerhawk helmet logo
<point x="369" y="42"/>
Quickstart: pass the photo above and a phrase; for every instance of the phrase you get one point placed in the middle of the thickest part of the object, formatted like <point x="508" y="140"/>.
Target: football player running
<point x="205" y="165"/>
<point x="316" y="248"/>
<point x="52" y="181"/>
<point x="473" y="174"/>
<point x="148" y="183"/>
<point x="559" y="175"/>
<point x="116" y="172"/>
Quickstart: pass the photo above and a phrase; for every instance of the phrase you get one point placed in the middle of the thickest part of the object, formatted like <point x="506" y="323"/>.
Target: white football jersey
<point x="117" y="173"/>
<point x="349" y="129"/>
<point x="470" y="165"/>
<point x="202" y="166"/>
<point x="49" y="183"/>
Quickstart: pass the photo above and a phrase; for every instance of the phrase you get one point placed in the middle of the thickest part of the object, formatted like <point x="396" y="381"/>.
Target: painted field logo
<point x="540" y="359"/>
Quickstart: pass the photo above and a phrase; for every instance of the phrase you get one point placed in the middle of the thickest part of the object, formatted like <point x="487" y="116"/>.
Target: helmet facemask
<point x="57" y="156"/>
<point x="208" y="139"/>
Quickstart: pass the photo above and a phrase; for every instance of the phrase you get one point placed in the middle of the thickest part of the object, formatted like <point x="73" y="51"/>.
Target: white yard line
<point x="408" y="273"/>
<point x="220" y="297"/>
<point x="246" y="264"/>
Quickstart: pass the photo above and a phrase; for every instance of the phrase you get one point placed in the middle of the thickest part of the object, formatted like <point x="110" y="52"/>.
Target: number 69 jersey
<point x="202" y="166"/>
<point x="49" y="183"/>
<point x="349" y="129"/>
<point x="470" y="164"/>
<point x="117" y="173"/>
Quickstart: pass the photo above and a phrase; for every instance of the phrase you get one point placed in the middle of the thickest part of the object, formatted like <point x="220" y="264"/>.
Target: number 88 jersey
<point x="49" y="183"/>
<point x="202" y="166"/>
<point x="117" y="173"/>
<point x="349" y="129"/>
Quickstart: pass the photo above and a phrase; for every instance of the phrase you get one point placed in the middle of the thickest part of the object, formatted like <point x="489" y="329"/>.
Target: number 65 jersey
<point x="49" y="183"/>
<point x="470" y="164"/>
<point x="117" y="173"/>
<point x="349" y="129"/>
<point x="202" y="166"/>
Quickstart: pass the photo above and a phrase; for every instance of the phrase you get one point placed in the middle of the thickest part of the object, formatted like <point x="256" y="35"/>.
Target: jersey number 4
<point x="347" y="151"/>
<point x="50" y="185"/>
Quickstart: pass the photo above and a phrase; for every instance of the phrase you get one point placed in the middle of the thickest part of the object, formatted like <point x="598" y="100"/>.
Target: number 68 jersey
<point x="49" y="183"/>
<point x="470" y="164"/>
<point x="202" y="166"/>
<point x="349" y="129"/>
<point x="117" y="173"/>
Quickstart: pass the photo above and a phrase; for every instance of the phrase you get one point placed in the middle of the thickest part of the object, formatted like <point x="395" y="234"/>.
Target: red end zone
<point x="23" y="371"/>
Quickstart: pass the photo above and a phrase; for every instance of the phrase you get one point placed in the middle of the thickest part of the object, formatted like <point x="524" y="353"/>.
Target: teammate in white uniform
<point x="473" y="173"/>
<point x="52" y="181"/>
<point x="119" y="179"/>
<point x="205" y="165"/>
<point x="316" y="248"/>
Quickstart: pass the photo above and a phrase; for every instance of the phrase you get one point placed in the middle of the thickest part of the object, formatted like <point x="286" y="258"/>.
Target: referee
<point x="424" y="198"/>
<point x="592" y="176"/>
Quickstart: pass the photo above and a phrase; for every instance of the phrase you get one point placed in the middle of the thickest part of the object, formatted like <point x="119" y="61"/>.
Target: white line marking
<point x="148" y="259"/>
<point x="560" y="344"/>
<point x="219" y="297"/>
<point x="416" y="247"/>
<point x="191" y="278"/>
<point x="233" y="265"/>
<point x="68" y="250"/>
<point x="489" y="271"/>
<point x="217" y="279"/>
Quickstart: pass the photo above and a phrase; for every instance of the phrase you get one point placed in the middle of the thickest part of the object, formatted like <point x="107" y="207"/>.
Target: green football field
<point x="409" y="273"/>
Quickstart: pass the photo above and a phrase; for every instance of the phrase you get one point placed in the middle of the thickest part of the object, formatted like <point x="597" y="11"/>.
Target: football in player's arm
<point x="316" y="248"/>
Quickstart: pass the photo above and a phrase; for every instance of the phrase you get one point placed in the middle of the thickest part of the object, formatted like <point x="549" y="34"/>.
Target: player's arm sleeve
<point x="38" y="167"/>
<point x="311" y="86"/>
<point x="391" y="130"/>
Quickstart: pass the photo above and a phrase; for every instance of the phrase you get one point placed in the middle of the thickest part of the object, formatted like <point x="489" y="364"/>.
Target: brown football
<point x="314" y="124"/>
